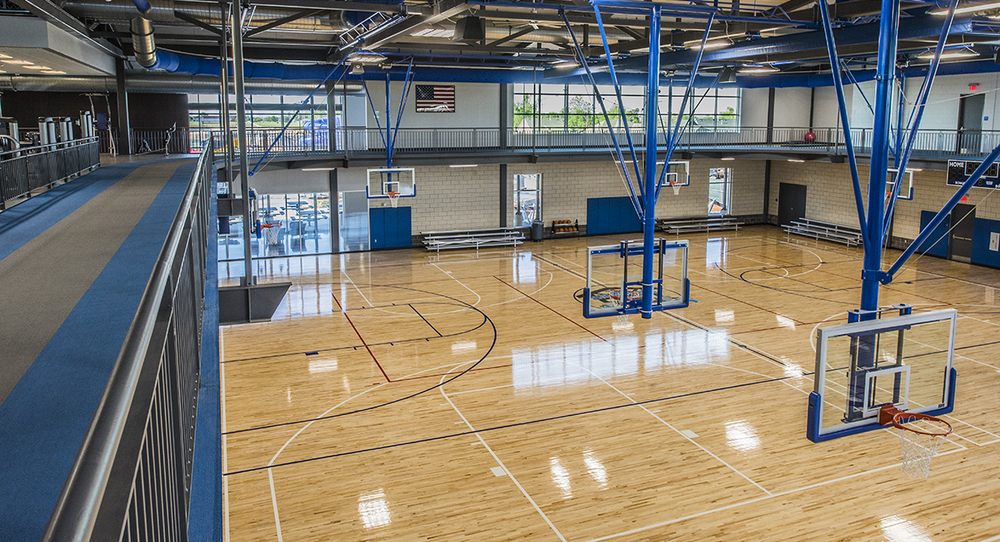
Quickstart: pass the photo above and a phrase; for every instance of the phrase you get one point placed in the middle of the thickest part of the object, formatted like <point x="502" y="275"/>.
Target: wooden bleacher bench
<point x="825" y="231"/>
<point x="473" y="238"/>
<point x="697" y="224"/>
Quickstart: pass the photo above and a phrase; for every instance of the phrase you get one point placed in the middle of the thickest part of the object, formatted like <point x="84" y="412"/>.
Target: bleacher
<point x="697" y="224"/>
<point x="825" y="231"/>
<point x="472" y="238"/>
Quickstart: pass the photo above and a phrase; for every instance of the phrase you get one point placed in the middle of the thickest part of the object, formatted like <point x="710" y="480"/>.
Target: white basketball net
<point x="623" y="318"/>
<point x="394" y="198"/>
<point x="271" y="234"/>
<point x="677" y="188"/>
<point x="918" y="447"/>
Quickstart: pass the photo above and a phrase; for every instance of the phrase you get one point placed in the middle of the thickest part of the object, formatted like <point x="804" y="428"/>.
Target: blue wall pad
<point x="45" y="418"/>
<point x="390" y="227"/>
<point x="939" y="249"/>
<point x="24" y="221"/>
<point x="611" y="215"/>
<point x="981" y="253"/>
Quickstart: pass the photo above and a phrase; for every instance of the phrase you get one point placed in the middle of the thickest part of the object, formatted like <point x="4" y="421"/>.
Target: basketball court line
<point x="274" y="505"/>
<point x="425" y="320"/>
<point x="755" y="500"/>
<point x="479" y="298"/>
<point x="551" y="309"/>
<point x="674" y="429"/>
<point x="501" y="463"/>
<point x="394" y="401"/>
<point x="495" y="428"/>
<point x="362" y="339"/>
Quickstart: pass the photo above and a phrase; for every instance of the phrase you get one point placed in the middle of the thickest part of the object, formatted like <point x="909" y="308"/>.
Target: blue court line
<point x="394" y="401"/>
<point x="44" y="419"/>
<point x="205" y="519"/>
<point x="425" y="320"/>
<point x="518" y="424"/>
<point x="25" y="221"/>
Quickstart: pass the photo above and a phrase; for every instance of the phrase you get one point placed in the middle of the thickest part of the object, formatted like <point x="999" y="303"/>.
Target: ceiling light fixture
<point x="957" y="53"/>
<point x="708" y="45"/>
<point x="317" y="168"/>
<point x="727" y="158"/>
<point x="566" y="64"/>
<point x="366" y="57"/>
<point x="793" y="160"/>
<point x="5" y="56"/>
<point x="19" y="62"/>
<point x="464" y="165"/>
<point x="54" y="72"/>
<point x="434" y="33"/>
<point x="968" y="9"/>
<point x="38" y="67"/>
<point x="758" y="69"/>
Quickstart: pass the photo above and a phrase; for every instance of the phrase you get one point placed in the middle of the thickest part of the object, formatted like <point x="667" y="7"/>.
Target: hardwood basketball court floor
<point x="409" y="395"/>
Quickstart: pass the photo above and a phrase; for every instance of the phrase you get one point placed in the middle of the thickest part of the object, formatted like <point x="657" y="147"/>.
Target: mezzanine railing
<point x="370" y="141"/>
<point x="27" y="169"/>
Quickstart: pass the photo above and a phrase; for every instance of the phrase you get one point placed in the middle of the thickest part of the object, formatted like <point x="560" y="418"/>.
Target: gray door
<point x="960" y="243"/>
<point x="791" y="202"/>
<point x="970" y="123"/>
<point x="353" y="221"/>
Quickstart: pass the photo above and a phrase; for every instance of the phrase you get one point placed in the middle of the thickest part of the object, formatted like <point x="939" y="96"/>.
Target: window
<point x="575" y="108"/>
<point x="720" y="190"/>
<point x="527" y="199"/>
<point x="284" y="225"/>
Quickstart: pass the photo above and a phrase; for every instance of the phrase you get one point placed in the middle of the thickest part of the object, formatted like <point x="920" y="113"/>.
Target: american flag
<point x="435" y="98"/>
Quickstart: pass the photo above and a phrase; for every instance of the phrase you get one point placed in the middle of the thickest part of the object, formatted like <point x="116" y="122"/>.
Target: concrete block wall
<point x="454" y="198"/>
<point x="830" y="196"/>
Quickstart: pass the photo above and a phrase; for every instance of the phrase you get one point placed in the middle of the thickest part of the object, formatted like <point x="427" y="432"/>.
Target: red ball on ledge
<point x="810" y="137"/>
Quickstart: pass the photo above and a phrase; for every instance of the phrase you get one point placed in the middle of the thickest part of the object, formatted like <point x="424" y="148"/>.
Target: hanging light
<point x="758" y="69"/>
<point x="366" y="57"/>
<point x="956" y="53"/>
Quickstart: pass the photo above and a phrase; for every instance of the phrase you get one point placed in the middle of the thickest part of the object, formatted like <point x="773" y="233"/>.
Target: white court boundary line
<point x="497" y="459"/>
<point x="758" y="499"/>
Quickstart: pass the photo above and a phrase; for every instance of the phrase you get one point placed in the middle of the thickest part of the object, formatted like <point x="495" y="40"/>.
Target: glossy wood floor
<point x="406" y="395"/>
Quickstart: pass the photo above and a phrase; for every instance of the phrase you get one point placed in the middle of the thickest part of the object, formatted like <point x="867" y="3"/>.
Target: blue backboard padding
<point x="940" y="248"/>
<point x="390" y="227"/>
<point x="981" y="253"/>
<point x="611" y="215"/>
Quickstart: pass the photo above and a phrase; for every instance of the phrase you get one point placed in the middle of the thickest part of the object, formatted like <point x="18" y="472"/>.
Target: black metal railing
<point x="370" y="141"/>
<point x="27" y="169"/>
<point x="131" y="479"/>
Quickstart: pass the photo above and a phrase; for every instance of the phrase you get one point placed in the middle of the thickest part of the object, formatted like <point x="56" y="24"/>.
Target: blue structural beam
<point x="928" y="231"/>
<point x="874" y="233"/>
<point x="607" y="119"/>
<point x="650" y="193"/>
<point x="912" y="28"/>
<point x="845" y="121"/>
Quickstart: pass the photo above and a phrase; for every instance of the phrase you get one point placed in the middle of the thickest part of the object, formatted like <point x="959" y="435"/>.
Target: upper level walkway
<point x="417" y="144"/>
<point x="74" y="263"/>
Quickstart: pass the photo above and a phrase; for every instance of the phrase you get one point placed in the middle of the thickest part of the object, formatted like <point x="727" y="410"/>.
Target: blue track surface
<point x="45" y="418"/>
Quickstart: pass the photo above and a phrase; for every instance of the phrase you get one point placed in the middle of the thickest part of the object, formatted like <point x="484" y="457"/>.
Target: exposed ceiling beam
<point x="442" y="10"/>
<point x="197" y="22"/>
<point x="50" y="12"/>
<point x="515" y="35"/>
<point x="283" y="20"/>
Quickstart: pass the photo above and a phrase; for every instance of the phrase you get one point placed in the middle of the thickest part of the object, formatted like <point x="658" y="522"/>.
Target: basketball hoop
<point x="676" y="187"/>
<point x="920" y="437"/>
<point x="622" y="318"/>
<point x="393" y="198"/>
<point x="271" y="232"/>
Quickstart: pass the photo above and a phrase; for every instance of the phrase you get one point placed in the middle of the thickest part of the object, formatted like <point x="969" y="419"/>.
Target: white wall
<point x="290" y="181"/>
<point x="477" y="105"/>
<point x="753" y="107"/>
<point x="791" y="107"/>
<point x="826" y="110"/>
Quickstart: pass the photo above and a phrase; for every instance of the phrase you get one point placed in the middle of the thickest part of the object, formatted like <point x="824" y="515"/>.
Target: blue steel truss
<point x="645" y="178"/>
<point x="391" y="132"/>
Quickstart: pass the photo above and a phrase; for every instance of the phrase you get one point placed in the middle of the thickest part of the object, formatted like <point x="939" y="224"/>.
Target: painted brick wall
<point x="830" y="197"/>
<point x="452" y="198"/>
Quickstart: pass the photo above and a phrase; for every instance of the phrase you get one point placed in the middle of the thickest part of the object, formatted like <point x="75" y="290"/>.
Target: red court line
<point x="362" y="339"/>
<point x="551" y="309"/>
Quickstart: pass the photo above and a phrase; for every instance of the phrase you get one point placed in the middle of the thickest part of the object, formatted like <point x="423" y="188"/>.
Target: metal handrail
<point x="76" y="510"/>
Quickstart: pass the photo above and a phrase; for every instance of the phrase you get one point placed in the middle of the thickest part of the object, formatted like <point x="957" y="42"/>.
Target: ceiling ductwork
<point x="164" y="12"/>
<point x="149" y="83"/>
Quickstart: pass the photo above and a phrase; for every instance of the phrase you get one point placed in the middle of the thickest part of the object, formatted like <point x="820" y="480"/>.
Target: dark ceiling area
<point x="511" y="40"/>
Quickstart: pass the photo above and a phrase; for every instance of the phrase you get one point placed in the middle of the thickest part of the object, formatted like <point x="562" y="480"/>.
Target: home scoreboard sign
<point x="960" y="170"/>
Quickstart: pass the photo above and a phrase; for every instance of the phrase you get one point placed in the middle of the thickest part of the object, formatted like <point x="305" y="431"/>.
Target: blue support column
<point x="650" y="179"/>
